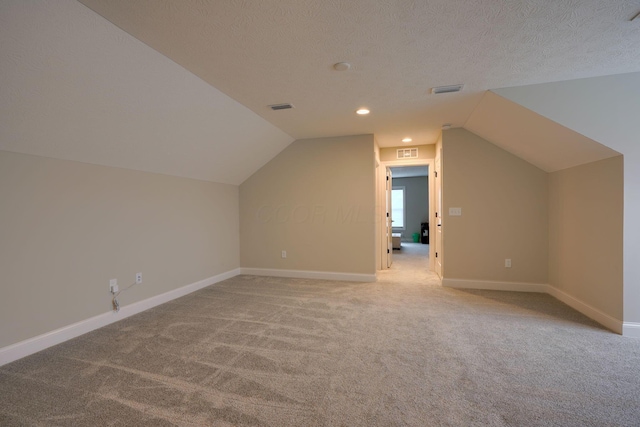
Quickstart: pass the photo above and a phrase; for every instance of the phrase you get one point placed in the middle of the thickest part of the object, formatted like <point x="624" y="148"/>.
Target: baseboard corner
<point x="609" y="322"/>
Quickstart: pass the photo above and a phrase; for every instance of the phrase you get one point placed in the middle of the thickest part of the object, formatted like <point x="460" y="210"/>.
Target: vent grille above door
<point x="407" y="153"/>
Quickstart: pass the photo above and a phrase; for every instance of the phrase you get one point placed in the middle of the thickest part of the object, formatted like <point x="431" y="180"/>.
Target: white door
<point x="389" y="220"/>
<point x="438" y="232"/>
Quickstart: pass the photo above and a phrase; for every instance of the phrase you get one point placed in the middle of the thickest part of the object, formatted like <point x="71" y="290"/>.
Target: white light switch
<point x="455" y="211"/>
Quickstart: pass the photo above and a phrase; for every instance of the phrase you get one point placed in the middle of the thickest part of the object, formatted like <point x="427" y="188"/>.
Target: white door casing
<point x="430" y="163"/>
<point x="389" y="219"/>
<point x="438" y="234"/>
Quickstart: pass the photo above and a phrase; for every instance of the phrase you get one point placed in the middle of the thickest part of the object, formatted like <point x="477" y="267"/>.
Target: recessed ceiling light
<point x="407" y="140"/>
<point x="363" y="111"/>
<point x="341" y="66"/>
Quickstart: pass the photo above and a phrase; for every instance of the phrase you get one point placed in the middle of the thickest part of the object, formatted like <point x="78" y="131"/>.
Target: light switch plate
<point x="455" y="211"/>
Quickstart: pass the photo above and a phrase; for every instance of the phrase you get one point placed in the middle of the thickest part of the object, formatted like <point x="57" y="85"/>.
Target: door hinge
<point x="387" y="250"/>
<point x="387" y="214"/>
<point x="387" y="177"/>
<point x="435" y="173"/>
<point x="436" y="254"/>
<point x="436" y="214"/>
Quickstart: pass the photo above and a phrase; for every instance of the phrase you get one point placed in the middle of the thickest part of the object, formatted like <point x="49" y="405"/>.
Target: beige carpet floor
<point x="256" y="351"/>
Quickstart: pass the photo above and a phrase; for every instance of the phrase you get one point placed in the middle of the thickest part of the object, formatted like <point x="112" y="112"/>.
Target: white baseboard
<point x="631" y="330"/>
<point x="591" y="312"/>
<point x="493" y="286"/>
<point x="305" y="274"/>
<point x="33" y="345"/>
<point x="615" y="325"/>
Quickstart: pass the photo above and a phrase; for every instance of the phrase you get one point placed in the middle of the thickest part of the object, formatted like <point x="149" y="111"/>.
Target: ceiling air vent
<point x="407" y="153"/>
<point x="446" y="89"/>
<point x="276" y="107"/>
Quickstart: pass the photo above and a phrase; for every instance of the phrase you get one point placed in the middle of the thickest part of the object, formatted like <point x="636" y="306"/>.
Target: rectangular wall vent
<point x="276" y="107"/>
<point x="446" y="89"/>
<point x="407" y="153"/>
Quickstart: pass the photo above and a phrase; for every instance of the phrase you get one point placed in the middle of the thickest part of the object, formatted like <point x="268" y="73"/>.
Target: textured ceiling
<point x="74" y="86"/>
<point x="532" y="137"/>
<point x="272" y="51"/>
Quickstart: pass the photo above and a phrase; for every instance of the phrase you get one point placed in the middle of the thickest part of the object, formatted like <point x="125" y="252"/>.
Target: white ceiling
<point x="532" y="137"/>
<point x="605" y="109"/>
<point x="273" y="51"/>
<point x="73" y="86"/>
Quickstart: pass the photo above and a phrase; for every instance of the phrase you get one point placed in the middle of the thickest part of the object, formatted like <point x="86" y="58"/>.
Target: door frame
<point x="388" y="219"/>
<point x="431" y="182"/>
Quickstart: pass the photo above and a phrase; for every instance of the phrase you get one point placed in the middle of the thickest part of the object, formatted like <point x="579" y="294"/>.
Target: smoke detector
<point x="446" y="89"/>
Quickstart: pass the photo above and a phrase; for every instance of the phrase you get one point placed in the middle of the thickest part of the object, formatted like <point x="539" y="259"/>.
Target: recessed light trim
<point x="362" y="111"/>
<point x="341" y="66"/>
<point x="407" y="140"/>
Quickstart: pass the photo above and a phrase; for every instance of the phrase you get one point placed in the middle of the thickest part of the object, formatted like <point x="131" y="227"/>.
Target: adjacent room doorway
<point x="408" y="225"/>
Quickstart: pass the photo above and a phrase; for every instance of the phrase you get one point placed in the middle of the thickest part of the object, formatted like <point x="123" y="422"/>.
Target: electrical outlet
<point x="138" y="278"/>
<point x="507" y="262"/>
<point x="284" y="254"/>
<point x="113" y="286"/>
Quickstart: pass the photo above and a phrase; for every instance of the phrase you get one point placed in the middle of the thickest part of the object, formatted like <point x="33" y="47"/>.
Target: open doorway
<point x="416" y="220"/>
<point x="410" y="204"/>
<point x="410" y="213"/>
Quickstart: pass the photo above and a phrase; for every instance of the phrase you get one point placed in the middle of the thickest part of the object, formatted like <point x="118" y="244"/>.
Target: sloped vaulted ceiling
<point x="272" y="51"/>
<point x="74" y="86"/>
<point x="532" y="137"/>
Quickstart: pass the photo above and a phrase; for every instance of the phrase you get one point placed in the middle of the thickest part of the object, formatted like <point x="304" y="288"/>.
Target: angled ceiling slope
<point x="73" y="86"/>
<point x="532" y="137"/>
<point x="605" y="109"/>
<point x="274" y="51"/>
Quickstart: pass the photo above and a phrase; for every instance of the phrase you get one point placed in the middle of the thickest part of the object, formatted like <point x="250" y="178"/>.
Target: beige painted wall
<point x="389" y="154"/>
<point x="504" y="212"/>
<point x="316" y="200"/>
<point x="586" y="233"/>
<point x="603" y="109"/>
<point x="66" y="228"/>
